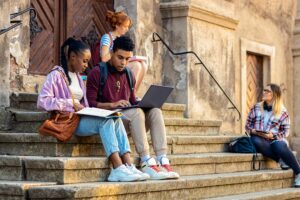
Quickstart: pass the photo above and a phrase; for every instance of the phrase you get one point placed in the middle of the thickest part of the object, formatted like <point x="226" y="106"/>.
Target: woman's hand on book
<point x="78" y="106"/>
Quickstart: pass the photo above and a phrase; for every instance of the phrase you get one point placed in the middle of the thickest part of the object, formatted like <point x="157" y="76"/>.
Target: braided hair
<point x="75" y="46"/>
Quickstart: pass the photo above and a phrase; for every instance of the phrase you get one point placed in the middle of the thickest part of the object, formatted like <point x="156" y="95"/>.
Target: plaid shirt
<point x="277" y="125"/>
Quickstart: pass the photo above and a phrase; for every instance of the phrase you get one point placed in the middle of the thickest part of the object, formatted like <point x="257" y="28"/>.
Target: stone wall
<point x="219" y="32"/>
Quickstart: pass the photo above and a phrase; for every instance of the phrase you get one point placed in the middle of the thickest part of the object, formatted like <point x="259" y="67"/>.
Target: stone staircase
<point x="39" y="167"/>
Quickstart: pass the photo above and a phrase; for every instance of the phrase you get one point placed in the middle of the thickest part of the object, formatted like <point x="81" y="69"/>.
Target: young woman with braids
<point x="55" y="95"/>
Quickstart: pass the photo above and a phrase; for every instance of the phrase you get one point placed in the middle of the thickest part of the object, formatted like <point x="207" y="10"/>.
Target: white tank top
<point x="75" y="86"/>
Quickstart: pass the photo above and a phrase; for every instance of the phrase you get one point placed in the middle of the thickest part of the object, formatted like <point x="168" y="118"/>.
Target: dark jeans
<point x="276" y="150"/>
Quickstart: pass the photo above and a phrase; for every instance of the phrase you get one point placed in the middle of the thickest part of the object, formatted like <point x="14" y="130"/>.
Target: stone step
<point x="32" y="144"/>
<point x="28" y="101"/>
<point x="29" y="121"/>
<point x="66" y="170"/>
<point x="187" y="187"/>
<point x="278" y="194"/>
<point x="192" y="126"/>
<point x="17" y="190"/>
<point x="24" y="100"/>
<point x="171" y="110"/>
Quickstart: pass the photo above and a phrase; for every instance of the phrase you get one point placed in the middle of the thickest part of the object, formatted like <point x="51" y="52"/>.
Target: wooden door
<point x="254" y="79"/>
<point x="60" y="19"/>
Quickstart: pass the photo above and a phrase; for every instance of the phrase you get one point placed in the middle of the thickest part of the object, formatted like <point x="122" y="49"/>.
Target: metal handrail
<point x="154" y="39"/>
<point x="16" y="23"/>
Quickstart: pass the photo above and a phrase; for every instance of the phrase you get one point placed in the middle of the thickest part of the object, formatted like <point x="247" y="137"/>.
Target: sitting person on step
<point x="120" y="22"/>
<point x="118" y="92"/>
<point x="56" y="95"/>
<point x="268" y="124"/>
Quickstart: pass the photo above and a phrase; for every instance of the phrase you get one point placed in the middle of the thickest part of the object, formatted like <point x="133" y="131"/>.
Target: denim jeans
<point x="275" y="150"/>
<point x="111" y="131"/>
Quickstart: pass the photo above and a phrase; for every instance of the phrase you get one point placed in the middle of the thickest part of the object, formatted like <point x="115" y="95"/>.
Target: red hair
<point x="117" y="18"/>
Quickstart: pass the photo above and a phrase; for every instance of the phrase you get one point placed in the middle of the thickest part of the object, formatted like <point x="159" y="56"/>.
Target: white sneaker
<point x="150" y="167"/>
<point x="134" y="170"/>
<point x="297" y="181"/>
<point x="165" y="167"/>
<point x="122" y="174"/>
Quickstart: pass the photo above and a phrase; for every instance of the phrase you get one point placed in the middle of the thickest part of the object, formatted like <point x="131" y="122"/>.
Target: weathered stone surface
<point x="173" y="110"/>
<point x="32" y="144"/>
<point x="5" y="119"/>
<point x="192" y="127"/>
<point x="203" y="186"/>
<point x="16" y="190"/>
<point x="11" y="168"/>
<point x="278" y="194"/>
<point x="23" y="100"/>
<point x="66" y="170"/>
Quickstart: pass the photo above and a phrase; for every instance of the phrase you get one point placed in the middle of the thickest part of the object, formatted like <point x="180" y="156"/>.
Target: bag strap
<point x="130" y="78"/>
<point x="67" y="82"/>
<point x="103" y="78"/>
<point x="254" y="159"/>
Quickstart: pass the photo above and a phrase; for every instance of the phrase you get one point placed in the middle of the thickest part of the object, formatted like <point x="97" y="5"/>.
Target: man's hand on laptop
<point x="121" y="103"/>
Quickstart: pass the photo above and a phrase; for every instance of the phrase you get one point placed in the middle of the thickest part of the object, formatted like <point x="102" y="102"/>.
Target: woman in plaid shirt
<point x="268" y="123"/>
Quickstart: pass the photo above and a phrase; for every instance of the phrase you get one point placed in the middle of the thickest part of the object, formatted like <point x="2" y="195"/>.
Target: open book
<point x="98" y="112"/>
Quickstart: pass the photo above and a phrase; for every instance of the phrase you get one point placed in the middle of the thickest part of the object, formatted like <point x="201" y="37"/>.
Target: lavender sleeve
<point x="54" y="94"/>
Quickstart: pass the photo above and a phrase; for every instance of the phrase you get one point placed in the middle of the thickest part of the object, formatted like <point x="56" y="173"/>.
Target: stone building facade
<point x="230" y="37"/>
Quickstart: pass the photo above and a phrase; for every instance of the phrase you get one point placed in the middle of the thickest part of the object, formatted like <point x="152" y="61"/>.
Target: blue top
<point x="105" y="41"/>
<point x="267" y="116"/>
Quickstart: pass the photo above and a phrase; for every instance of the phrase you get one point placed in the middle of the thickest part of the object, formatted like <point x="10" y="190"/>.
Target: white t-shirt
<point x="75" y="87"/>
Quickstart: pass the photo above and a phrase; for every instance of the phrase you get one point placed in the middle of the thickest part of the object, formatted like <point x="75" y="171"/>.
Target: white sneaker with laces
<point x="297" y="181"/>
<point x="123" y="174"/>
<point x="134" y="170"/>
<point x="165" y="167"/>
<point x="150" y="167"/>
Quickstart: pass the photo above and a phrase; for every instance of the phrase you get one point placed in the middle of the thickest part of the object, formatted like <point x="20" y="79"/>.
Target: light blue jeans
<point x="112" y="133"/>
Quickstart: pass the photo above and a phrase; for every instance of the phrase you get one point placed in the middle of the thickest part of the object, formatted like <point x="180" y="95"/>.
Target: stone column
<point x="209" y="30"/>
<point x="4" y="54"/>
<point x="296" y="97"/>
<point x="4" y="65"/>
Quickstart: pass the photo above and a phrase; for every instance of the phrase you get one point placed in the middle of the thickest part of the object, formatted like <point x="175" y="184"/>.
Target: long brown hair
<point x="277" y="98"/>
<point x="117" y="18"/>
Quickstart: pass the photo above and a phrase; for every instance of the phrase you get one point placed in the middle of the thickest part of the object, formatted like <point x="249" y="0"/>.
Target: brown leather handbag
<point x="61" y="125"/>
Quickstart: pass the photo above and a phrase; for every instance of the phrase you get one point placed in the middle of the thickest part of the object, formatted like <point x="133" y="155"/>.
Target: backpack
<point x="104" y="75"/>
<point x="244" y="145"/>
<point x="96" y="50"/>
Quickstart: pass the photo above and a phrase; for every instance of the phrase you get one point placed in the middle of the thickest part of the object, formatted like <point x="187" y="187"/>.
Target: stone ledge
<point x="279" y="194"/>
<point x="202" y="185"/>
<point x="17" y="188"/>
<point x="193" y="10"/>
<point x="192" y="122"/>
<point x="66" y="170"/>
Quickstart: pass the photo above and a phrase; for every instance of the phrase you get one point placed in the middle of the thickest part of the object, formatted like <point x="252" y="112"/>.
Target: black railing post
<point x="154" y="39"/>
